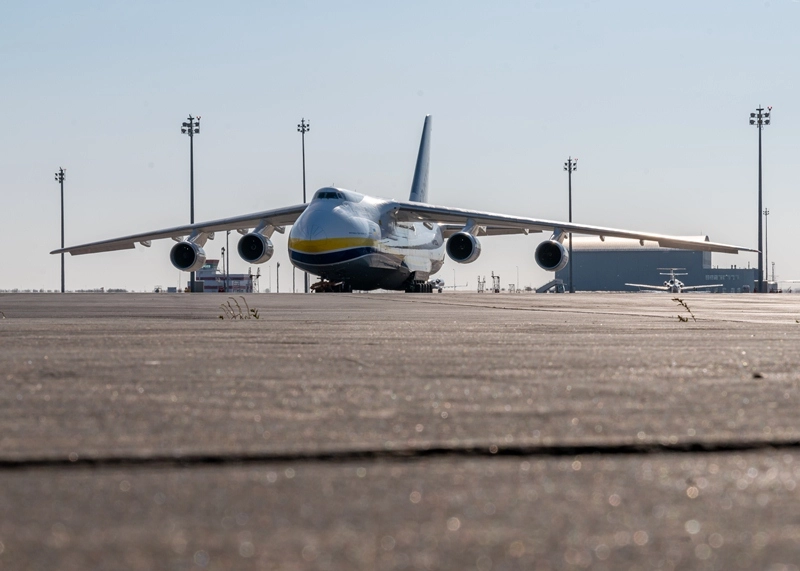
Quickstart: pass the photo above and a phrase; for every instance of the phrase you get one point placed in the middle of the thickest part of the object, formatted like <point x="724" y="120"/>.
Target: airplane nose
<point x="327" y="236"/>
<point x="311" y="226"/>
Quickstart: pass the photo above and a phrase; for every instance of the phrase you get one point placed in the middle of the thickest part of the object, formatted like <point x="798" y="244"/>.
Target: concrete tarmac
<point x="400" y="431"/>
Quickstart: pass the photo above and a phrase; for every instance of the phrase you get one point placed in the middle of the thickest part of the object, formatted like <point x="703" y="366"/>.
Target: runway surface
<point x="407" y="431"/>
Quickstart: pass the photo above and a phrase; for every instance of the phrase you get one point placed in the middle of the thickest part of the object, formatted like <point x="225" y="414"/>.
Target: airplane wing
<point x="493" y="230"/>
<point x="653" y="287"/>
<point x="492" y="224"/>
<point x="277" y="217"/>
<point x="691" y="288"/>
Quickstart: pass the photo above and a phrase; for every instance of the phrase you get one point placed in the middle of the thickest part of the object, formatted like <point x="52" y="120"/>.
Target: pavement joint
<point x="405" y="454"/>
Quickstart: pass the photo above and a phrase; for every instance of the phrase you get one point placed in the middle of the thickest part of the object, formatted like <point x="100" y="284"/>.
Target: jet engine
<point x="463" y="248"/>
<point x="187" y="256"/>
<point x="551" y="255"/>
<point x="255" y="248"/>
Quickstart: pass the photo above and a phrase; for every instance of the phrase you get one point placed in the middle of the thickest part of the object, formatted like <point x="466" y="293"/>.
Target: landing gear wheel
<point x="325" y="286"/>
<point x="419" y="287"/>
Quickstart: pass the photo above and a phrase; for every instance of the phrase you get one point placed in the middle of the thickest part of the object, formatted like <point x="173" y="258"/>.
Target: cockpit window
<point x="330" y="194"/>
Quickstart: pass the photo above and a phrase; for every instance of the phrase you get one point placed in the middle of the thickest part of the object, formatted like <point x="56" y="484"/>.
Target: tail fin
<point x="419" y="188"/>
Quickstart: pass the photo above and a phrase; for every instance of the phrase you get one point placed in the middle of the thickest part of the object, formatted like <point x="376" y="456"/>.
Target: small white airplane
<point x="673" y="284"/>
<point x="360" y="242"/>
<point x="439" y="285"/>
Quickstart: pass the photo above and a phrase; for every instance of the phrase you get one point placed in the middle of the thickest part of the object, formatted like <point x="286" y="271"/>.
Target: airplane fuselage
<point x="349" y="237"/>
<point x="674" y="286"/>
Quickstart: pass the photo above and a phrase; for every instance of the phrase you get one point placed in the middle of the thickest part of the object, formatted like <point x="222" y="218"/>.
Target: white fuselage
<point x="346" y="236"/>
<point x="674" y="285"/>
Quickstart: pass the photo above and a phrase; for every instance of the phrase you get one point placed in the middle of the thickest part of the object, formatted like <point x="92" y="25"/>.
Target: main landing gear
<point x="421" y="287"/>
<point x="326" y="286"/>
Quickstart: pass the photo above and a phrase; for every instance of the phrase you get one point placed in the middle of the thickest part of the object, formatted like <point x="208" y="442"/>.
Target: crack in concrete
<point x="404" y="454"/>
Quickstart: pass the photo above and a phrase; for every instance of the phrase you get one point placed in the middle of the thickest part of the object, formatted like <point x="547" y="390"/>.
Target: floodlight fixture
<point x="304" y="126"/>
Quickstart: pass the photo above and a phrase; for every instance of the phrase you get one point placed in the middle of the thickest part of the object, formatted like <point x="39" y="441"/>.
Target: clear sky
<point x="653" y="98"/>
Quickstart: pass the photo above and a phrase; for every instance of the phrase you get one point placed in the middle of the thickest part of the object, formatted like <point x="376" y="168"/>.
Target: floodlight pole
<point x="191" y="127"/>
<point x="766" y="244"/>
<point x="304" y="127"/>
<point x="570" y="166"/>
<point x="60" y="176"/>
<point x="223" y="269"/>
<point x="228" y="261"/>
<point x="759" y="119"/>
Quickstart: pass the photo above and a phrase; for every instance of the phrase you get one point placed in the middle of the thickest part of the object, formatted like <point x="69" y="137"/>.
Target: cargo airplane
<point x="355" y="241"/>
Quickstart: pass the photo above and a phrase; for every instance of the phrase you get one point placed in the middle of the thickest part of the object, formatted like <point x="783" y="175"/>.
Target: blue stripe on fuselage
<point x="328" y="258"/>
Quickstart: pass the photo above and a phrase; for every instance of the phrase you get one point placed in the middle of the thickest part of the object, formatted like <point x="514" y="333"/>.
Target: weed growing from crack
<point x="235" y="311"/>
<point x="682" y="303"/>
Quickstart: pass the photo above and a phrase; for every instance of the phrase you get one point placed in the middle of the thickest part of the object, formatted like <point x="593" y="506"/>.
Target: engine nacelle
<point x="255" y="248"/>
<point x="551" y="256"/>
<point x="463" y="247"/>
<point x="187" y="256"/>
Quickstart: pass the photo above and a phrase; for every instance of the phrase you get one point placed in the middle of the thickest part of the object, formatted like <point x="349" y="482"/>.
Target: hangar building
<point x="606" y="265"/>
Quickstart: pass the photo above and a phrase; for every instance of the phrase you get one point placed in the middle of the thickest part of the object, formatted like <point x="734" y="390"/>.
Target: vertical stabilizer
<point x="419" y="188"/>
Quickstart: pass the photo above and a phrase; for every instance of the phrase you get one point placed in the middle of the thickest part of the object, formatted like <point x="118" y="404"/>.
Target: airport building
<point x="607" y="265"/>
<point x="214" y="281"/>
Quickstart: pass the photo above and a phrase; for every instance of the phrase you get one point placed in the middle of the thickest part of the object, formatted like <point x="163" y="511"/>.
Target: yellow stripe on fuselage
<point x="329" y="244"/>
